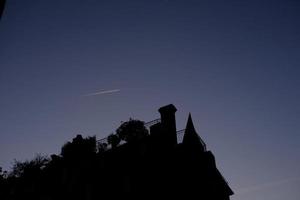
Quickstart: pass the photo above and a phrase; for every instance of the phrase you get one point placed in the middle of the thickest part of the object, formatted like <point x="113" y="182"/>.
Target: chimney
<point x="168" y="124"/>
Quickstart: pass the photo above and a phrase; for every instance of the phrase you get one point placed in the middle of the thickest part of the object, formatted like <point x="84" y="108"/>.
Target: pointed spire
<point x="190" y="125"/>
<point x="191" y="138"/>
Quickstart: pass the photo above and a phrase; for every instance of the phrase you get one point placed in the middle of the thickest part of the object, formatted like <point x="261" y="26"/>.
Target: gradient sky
<point x="83" y="66"/>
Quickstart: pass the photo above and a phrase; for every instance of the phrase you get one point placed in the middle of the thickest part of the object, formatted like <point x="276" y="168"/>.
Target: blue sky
<point x="234" y="65"/>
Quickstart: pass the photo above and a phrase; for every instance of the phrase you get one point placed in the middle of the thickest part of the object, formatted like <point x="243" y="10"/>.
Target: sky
<point x="72" y="67"/>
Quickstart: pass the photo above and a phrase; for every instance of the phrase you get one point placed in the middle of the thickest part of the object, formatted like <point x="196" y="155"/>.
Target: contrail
<point x="102" y="92"/>
<point x="266" y="185"/>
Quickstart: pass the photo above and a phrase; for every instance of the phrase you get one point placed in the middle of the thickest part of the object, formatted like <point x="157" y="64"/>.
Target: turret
<point x="191" y="139"/>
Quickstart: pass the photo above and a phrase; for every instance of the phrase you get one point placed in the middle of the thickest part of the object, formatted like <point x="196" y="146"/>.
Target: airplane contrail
<point x="102" y="92"/>
<point x="266" y="185"/>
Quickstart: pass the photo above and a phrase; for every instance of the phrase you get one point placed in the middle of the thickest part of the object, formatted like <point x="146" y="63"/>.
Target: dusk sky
<point x="72" y="67"/>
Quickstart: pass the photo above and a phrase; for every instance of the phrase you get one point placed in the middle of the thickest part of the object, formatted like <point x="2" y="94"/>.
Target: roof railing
<point x="179" y="134"/>
<point x="152" y="122"/>
<point x="104" y="142"/>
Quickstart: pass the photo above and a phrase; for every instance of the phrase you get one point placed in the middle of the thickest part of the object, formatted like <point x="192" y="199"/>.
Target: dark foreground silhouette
<point x="132" y="163"/>
<point x="2" y="5"/>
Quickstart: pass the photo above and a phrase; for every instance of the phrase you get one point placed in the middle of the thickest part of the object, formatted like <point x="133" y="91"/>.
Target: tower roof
<point x="190" y="125"/>
<point x="191" y="138"/>
<point x="168" y="108"/>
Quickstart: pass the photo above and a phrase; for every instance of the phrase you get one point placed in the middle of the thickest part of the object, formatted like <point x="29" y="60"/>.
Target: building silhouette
<point x="154" y="166"/>
<point x="159" y="166"/>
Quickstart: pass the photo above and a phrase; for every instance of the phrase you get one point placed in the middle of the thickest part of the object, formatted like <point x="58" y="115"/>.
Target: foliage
<point x="101" y="147"/>
<point x="132" y="130"/>
<point x="79" y="147"/>
<point x="3" y="174"/>
<point x="114" y="140"/>
<point x="29" y="168"/>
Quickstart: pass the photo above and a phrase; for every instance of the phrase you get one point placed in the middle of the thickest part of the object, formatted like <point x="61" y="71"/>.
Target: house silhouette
<point x="159" y="166"/>
<point x="154" y="166"/>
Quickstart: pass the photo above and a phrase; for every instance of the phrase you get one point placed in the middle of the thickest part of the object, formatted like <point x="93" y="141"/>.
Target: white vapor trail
<point x="102" y="92"/>
<point x="266" y="185"/>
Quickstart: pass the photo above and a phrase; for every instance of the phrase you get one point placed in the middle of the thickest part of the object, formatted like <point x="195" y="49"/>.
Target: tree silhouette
<point x="79" y="148"/>
<point x="3" y="184"/>
<point x="29" y="168"/>
<point x="3" y="174"/>
<point x="101" y="147"/>
<point x="114" y="140"/>
<point x="132" y="130"/>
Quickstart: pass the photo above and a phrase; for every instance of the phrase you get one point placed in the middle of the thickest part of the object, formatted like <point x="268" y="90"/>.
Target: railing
<point x="180" y="135"/>
<point x="150" y="123"/>
<point x="103" y="143"/>
<point x="203" y="143"/>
